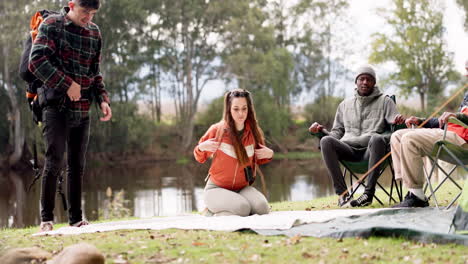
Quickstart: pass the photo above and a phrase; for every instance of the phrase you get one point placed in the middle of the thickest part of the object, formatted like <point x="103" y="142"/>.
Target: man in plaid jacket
<point x="66" y="56"/>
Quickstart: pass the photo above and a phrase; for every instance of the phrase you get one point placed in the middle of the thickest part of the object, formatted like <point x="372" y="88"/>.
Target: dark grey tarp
<point x="428" y="225"/>
<point x="460" y="220"/>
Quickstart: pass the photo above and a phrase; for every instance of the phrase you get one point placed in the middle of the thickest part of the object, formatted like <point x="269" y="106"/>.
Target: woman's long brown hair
<point x="251" y="120"/>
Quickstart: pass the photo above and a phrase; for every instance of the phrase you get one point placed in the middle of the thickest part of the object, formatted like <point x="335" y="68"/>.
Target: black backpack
<point x="33" y="84"/>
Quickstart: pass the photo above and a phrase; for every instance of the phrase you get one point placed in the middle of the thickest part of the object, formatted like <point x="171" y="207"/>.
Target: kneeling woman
<point x="236" y="144"/>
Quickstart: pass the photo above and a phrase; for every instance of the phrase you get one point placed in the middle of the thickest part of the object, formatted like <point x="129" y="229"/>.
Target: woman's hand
<point x="210" y="145"/>
<point x="263" y="152"/>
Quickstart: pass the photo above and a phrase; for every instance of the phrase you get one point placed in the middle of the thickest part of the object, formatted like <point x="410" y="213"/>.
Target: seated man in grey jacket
<point x="360" y="132"/>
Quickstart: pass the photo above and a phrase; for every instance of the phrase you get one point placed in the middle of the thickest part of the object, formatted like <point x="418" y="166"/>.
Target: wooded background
<point x="167" y="51"/>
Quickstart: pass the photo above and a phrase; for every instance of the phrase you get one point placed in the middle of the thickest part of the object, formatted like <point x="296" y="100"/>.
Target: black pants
<point x="333" y="150"/>
<point x="64" y="130"/>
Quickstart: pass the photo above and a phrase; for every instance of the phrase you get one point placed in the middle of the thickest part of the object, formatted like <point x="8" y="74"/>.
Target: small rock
<point x="81" y="253"/>
<point x="25" y="255"/>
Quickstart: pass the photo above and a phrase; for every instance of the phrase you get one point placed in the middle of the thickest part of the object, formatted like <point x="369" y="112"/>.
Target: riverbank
<point x="190" y="246"/>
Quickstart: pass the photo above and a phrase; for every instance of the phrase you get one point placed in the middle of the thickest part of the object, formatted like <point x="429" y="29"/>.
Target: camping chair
<point x="353" y="168"/>
<point x="350" y="169"/>
<point x="451" y="153"/>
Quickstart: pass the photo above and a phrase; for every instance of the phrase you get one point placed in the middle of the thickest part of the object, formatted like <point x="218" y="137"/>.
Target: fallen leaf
<point x="324" y="251"/>
<point x="121" y="260"/>
<point x="197" y="244"/>
<point x="294" y="240"/>
<point x="255" y="257"/>
<point x="217" y="254"/>
<point x="159" y="259"/>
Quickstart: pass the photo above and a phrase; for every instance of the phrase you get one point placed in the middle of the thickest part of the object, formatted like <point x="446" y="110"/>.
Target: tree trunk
<point x="157" y="93"/>
<point x="19" y="198"/>
<point x="188" y="115"/>
<point x="17" y="139"/>
<point x="422" y="101"/>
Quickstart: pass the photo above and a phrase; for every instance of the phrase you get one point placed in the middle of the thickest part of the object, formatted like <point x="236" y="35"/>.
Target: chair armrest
<point x="457" y="121"/>
<point x="394" y="127"/>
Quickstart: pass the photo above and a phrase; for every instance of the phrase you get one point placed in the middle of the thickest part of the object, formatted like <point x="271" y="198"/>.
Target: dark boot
<point x="412" y="200"/>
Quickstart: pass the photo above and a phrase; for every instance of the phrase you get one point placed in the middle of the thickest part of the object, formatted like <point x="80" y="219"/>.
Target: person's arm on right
<point x="463" y="117"/>
<point x="97" y="85"/>
<point x="416" y="121"/>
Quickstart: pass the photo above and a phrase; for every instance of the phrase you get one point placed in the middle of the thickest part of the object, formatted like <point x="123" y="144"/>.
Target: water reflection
<point x="17" y="207"/>
<point x="159" y="189"/>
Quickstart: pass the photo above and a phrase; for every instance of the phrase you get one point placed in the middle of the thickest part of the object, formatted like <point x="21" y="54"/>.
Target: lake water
<point x="156" y="189"/>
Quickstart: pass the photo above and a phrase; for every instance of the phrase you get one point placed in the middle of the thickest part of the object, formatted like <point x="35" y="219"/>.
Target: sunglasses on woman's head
<point x="243" y="93"/>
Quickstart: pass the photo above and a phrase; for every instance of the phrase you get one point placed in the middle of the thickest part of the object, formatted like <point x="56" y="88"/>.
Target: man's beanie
<point x="365" y="69"/>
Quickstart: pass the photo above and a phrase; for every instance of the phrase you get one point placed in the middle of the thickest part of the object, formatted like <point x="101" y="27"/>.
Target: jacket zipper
<point x="235" y="175"/>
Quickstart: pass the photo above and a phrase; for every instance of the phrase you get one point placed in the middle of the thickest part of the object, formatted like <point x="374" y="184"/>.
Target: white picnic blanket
<point x="280" y="220"/>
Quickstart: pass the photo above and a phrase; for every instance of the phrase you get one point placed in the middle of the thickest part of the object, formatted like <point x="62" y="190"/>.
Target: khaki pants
<point x="245" y="202"/>
<point x="409" y="146"/>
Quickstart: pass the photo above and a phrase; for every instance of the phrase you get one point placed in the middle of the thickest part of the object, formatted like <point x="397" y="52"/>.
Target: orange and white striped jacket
<point x="225" y="170"/>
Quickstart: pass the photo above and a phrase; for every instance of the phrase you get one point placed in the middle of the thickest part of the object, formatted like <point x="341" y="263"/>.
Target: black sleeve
<point x="432" y="123"/>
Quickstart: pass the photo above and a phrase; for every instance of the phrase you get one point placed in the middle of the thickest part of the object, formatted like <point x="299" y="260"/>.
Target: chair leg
<point x="454" y="200"/>
<point x="360" y="182"/>
<point x="428" y="177"/>
<point x="401" y="191"/>
<point x="393" y="184"/>
<point x="398" y="187"/>
<point x="444" y="180"/>
<point x="385" y="191"/>
<point x="391" y="190"/>
<point x="447" y="175"/>
<point x="353" y="190"/>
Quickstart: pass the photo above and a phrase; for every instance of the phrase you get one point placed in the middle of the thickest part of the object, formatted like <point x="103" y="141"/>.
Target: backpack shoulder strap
<point x="39" y="17"/>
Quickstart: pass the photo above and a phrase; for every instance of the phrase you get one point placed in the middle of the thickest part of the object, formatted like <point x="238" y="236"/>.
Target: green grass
<point x="183" y="161"/>
<point x="297" y="155"/>
<point x="190" y="246"/>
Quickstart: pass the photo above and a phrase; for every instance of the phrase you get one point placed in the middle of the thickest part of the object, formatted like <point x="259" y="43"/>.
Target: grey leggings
<point x="247" y="201"/>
